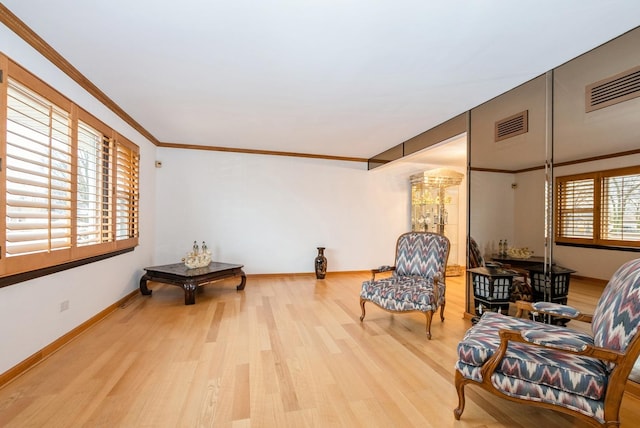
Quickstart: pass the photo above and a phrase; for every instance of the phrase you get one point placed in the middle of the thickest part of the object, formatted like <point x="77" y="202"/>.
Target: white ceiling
<point x="332" y="77"/>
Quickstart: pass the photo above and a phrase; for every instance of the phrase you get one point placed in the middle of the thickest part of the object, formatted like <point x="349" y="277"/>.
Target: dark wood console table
<point x="514" y="262"/>
<point x="189" y="279"/>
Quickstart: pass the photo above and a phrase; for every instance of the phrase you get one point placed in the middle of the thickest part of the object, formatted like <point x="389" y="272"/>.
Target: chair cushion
<point x="475" y="255"/>
<point x="550" y="367"/>
<point x="617" y="314"/>
<point x="526" y="390"/>
<point x="421" y="254"/>
<point x="401" y="293"/>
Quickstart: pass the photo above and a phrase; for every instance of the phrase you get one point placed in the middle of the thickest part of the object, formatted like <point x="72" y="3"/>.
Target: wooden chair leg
<point x="442" y="311"/>
<point x="460" y="382"/>
<point x="362" y="301"/>
<point x="429" y="315"/>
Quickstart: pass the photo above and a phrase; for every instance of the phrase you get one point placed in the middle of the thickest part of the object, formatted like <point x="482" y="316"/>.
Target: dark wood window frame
<point x="599" y="209"/>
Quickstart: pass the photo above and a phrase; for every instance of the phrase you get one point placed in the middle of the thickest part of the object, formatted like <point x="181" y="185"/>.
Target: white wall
<point x="528" y="211"/>
<point x="30" y="318"/>
<point x="271" y="212"/>
<point x="491" y="210"/>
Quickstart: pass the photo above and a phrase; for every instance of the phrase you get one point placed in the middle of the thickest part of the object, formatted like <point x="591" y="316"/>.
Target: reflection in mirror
<point x="602" y="139"/>
<point x="588" y="139"/>
<point x="507" y="157"/>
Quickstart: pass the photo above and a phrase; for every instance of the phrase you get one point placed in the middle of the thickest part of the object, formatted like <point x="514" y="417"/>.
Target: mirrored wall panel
<point x="508" y="150"/>
<point x="596" y="141"/>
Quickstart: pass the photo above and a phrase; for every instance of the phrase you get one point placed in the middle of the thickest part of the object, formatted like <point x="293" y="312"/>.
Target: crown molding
<point x="35" y="41"/>
<point x="260" y="152"/>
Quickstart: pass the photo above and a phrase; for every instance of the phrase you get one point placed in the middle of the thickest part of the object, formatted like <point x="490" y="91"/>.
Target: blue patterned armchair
<point x="556" y="367"/>
<point x="417" y="282"/>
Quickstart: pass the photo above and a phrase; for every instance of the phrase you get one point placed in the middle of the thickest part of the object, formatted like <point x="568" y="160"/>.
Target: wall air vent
<point x="512" y="126"/>
<point x="613" y="90"/>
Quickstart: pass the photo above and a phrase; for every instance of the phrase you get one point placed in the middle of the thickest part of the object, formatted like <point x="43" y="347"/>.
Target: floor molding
<point x="299" y="274"/>
<point x="633" y="389"/>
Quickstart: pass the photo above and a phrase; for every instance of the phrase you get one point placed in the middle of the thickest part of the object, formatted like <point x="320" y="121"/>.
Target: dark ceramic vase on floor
<point x="321" y="264"/>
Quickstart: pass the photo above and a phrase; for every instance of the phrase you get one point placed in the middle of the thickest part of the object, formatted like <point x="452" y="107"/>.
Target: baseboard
<point x="48" y="350"/>
<point x="597" y="281"/>
<point x="633" y="389"/>
<point x="468" y="316"/>
<point x="301" y="274"/>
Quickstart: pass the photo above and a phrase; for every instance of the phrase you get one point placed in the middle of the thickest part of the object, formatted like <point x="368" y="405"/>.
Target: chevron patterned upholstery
<point x="418" y="279"/>
<point x="557" y="367"/>
<point x="617" y="315"/>
<point x="475" y="255"/>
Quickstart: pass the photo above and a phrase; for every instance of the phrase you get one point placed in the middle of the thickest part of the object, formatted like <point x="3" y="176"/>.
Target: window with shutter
<point x="94" y="206"/>
<point x="576" y="209"/>
<point x="38" y="174"/>
<point x="127" y="171"/>
<point x="599" y="208"/>
<point x="620" y="218"/>
<point x="70" y="187"/>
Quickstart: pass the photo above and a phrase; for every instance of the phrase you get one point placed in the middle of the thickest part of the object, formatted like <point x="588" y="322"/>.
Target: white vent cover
<point x="613" y="90"/>
<point x="512" y="126"/>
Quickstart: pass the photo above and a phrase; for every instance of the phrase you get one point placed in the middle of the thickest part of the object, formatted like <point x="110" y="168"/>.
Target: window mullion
<point x="598" y="203"/>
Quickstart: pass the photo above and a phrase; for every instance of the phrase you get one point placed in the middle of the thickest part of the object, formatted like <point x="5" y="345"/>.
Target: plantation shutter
<point x="620" y="219"/>
<point x="127" y="191"/>
<point x="575" y="209"/>
<point x="94" y="205"/>
<point x="38" y="174"/>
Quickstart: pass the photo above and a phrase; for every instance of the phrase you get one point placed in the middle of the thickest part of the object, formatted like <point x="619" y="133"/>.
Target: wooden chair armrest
<point x="507" y="336"/>
<point x="554" y="310"/>
<point x="587" y="351"/>
<point x="380" y="270"/>
<point x="523" y="307"/>
<point x="437" y="279"/>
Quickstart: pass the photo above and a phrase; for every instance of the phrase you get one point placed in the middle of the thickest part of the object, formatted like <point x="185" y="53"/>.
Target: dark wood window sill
<point x="26" y="276"/>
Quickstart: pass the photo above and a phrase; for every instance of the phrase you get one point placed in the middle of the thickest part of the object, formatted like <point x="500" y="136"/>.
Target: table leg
<point x="143" y="285"/>
<point x="243" y="281"/>
<point x="189" y="293"/>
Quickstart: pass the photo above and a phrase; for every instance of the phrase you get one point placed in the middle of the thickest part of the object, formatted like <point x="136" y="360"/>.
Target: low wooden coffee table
<point x="189" y="279"/>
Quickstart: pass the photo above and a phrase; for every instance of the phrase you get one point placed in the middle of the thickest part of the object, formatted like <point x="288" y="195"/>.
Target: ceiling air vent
<point x="613" y="90"/>
<point x="512" y="126"/>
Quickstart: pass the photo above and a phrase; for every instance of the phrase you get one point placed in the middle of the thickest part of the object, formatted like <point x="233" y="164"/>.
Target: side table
<point x="189" y="279"/>
<point x="491" y="288"/>
<point x="551" y="286"/>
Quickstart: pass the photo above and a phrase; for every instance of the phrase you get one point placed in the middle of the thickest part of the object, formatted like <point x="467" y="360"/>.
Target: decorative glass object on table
<point x="198" y="256"/>
<point x="519" y="253"/>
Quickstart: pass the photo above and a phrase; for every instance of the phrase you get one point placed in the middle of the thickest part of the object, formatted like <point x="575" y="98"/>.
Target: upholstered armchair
<point x="417" y="281"/>
<point x="556" y="367"/>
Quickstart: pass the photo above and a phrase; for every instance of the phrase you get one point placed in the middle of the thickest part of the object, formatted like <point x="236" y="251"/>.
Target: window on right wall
<point x="599" y="208"/>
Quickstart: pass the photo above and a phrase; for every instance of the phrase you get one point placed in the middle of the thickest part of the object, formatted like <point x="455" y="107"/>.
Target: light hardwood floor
<point x="288" y="351"/>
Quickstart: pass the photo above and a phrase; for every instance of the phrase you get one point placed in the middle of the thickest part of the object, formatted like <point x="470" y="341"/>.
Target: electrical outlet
<point x="64" y="306"/>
